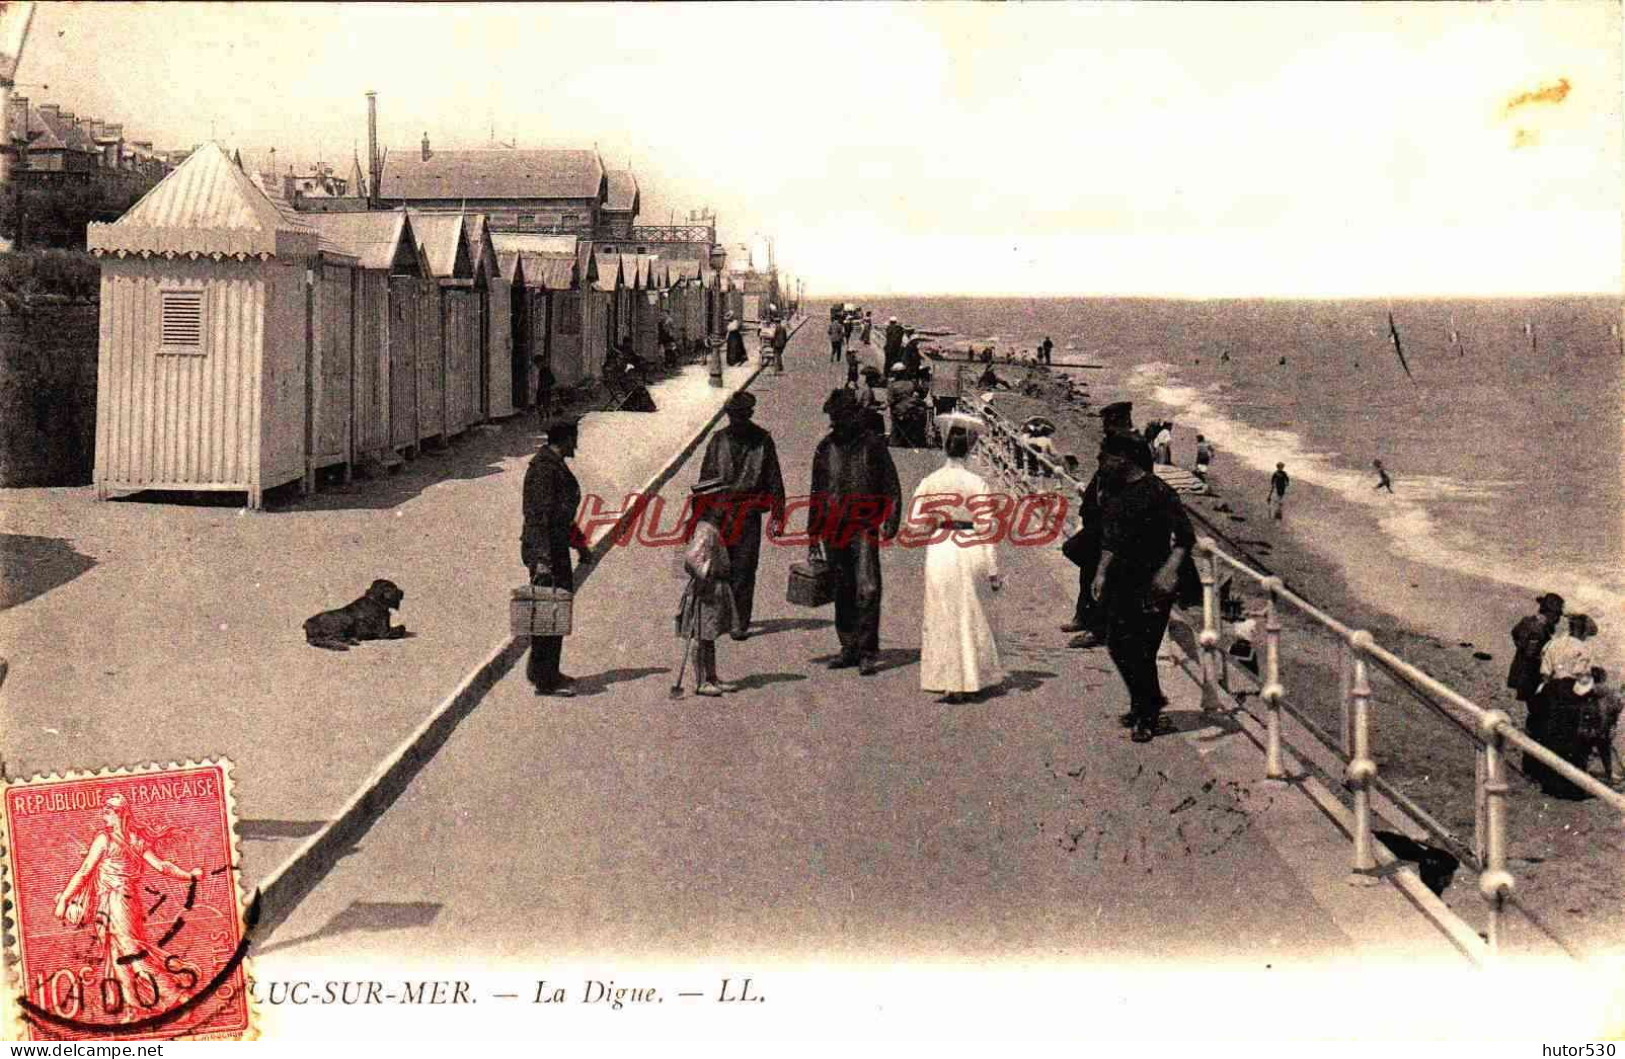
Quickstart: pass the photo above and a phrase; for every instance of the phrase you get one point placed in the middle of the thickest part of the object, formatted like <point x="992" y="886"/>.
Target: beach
<point x="1566" y="856"/>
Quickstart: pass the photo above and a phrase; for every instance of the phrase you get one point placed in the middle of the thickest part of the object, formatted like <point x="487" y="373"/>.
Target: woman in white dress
<point x="958" y="655"/>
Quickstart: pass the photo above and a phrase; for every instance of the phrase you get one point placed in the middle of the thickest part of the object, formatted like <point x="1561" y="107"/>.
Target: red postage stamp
<point x="125" y="918"/>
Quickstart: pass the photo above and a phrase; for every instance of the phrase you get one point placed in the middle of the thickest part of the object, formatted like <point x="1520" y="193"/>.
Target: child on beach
<point x="1204" y="456"/>
<point x="1383" y="481"/>
<point x="1278" y="483"/>
<point x="706" y="610"/>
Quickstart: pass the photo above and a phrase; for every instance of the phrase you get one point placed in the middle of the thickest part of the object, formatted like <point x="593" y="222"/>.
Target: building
<point x="46" y="146"/>
<point x="520" y="190"/>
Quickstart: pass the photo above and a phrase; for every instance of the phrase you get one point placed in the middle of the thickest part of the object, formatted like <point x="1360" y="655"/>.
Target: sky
<point x="1271" y="150"/>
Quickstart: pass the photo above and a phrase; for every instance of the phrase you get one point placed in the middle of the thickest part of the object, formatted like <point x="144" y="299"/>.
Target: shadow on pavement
<point x="598" y="683"/>
<point x="368" y="917"/>
<point x="888" y="658"/>
<point x="773" y="625"/>
<point x="271" y="830"/>
<point x="32" y="566"/>
<point x="762" y="680"/>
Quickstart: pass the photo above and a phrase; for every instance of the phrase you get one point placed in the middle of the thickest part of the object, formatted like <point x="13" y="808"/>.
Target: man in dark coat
<point x="1083" y="548"/>
<point x="894" y="341"/>
<point x="1145" y="539"/>
<point x="551" y="497"/>
<point x="856" y="503"/>
<point x="743" y="455"/>
<point x="1529" y="638"/>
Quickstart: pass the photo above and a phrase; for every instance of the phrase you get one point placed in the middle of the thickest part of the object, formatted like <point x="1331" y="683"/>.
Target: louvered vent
<point x="182" y="321"/>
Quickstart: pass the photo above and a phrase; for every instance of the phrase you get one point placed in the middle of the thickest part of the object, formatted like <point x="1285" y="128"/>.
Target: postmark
<point x="125" y="919"/>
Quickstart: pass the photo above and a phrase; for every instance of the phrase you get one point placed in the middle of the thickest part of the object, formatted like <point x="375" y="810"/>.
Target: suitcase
<point x="812" y="584"/>
<point x="540" y="611"/>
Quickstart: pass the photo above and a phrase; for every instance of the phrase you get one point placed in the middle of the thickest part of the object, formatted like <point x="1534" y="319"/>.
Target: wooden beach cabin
<point x="493" y="346"/>
<point x="446" y="324"/>
<point x="521" y="386"/>
<point x="601" y="325"/>
<point x="686" y="300"/>
<point x="209" y="324"/>
<point x="558" y="314"/>
<point x="388" y="286"/>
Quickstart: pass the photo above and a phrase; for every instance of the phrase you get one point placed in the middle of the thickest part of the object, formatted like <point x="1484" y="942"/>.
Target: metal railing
<point x="1492" y="730"/>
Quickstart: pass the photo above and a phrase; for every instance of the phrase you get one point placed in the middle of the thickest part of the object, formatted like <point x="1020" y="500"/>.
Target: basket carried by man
<point x="537" y="610"/>
<point x="812" y="583"/>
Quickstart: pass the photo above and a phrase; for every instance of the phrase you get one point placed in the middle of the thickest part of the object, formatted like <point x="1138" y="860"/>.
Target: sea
<point x="1501" y="430"/>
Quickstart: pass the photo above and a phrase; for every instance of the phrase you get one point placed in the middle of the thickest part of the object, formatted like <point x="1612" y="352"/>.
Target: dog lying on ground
<point x="1436" y="867"/>
<point x="365" y="619"/>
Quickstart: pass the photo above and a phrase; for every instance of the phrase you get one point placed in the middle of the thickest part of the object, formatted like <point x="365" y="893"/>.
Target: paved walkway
<point x="165" y="631"/>
<point x="826" y="817"/>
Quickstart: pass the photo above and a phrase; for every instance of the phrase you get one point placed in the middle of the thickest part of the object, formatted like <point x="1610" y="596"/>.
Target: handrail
<point x="1493" y="730"/>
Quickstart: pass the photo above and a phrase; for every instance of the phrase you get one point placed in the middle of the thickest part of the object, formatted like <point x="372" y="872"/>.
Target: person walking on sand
<point x="1204" y="457"/>
<point x="1145" y="538"/>
<point x="706" y="609"/>
<point x="1082" y="549"/>
<point x="743" y="456"/>
<point x="1046" y="349"/>
<point x="958" y="653"/>
<point x="856" y="504"/>
<point x="551" y="496"/>
<point x="1164" y="445"/>
<point x="868" y="325"/>
<point x="1565" y="670"/>
<point x="1529" y="639"/>
<point x="1383" y="481"/>
<point x="1277" y="498"/>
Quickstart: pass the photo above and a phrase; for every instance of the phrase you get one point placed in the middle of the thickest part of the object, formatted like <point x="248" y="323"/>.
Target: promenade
<point x="820" y="818"/>
<point x="160" y="631"/>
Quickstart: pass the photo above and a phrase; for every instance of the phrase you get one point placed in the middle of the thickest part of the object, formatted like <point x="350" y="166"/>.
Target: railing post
<point x="1361" y="769"/>
<point x="1272" y="692"/>
<point x="1345" y="692"/>
<point x="1495" y="883"/>
<point x="1208" y="571"/>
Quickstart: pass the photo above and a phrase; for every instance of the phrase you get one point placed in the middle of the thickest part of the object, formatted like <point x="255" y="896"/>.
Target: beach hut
<point x="600" y="325"/>
<point x="385" y="341"/>
<point x="210" y="323"/>
<point x="521" y="387"/>
<point x="446" y="327"/>
<point x="686" y="300"/>
<point x="558" y="314"/>
<point x="493" y="382"/>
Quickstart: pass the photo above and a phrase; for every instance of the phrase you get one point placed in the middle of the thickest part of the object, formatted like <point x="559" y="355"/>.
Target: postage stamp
<point x="125" y="920"/>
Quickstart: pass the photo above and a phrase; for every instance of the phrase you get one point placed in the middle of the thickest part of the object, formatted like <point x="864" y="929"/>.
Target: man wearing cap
<point x="894" y="341"/>
<point x="743" y="456"/>
<point x="1145" y="537"/>
<point x="1083" y="548"/>
<point x="1529" y="639"/>
<point x="551" y="497"/>
<point x="856" y="503"/>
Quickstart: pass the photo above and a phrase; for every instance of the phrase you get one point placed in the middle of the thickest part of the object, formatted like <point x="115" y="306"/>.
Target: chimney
<point x="19" y="116"/>
<point x="372" y="149"/>
<point x="425" y="147"/>
<point x="50" y="111"/>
